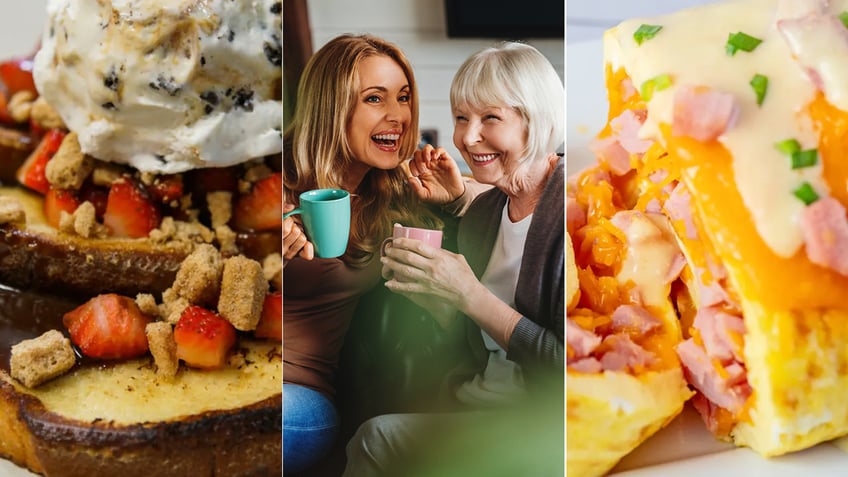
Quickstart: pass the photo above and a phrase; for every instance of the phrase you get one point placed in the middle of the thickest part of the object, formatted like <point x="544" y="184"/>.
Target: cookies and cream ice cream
<point x="165" y="85"/>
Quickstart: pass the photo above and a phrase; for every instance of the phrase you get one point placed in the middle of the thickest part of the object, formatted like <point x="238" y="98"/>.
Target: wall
<point x="418" y="27"/>
<point x="21" y="27"/>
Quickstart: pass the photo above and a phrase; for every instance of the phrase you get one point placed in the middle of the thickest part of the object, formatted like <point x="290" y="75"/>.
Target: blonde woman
<point x="506" y="286"/>
<point x="355" y="122"/>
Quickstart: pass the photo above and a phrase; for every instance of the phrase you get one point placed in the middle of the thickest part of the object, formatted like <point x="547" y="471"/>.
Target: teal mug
<point x="326" y="216"/>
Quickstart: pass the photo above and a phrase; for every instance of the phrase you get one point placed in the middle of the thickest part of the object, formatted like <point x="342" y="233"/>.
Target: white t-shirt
<point x="502" y="379"/>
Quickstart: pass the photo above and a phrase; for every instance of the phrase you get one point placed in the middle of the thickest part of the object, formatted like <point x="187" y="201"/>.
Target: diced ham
<point x="610" y="152"/>
<point x="624" y="354"/>
<point x="627" y="89"/>
<point x="826" y="234"/>
<point x="586" y="365"/>
<point x="581" y="341"/>
<point x="819" y="42"/>
<point x="676" y="268"/>
<point x="788" y="9"/>
<point x="711" y="414"/>
<point x="658" y="176"/>
<point x="626" y="128"/>
<point x="678" y="206"/>
<point x="635" y="319"/>
<point x="575" y="216"/>
<point x="654" y="206"/>
<point x="702" y="113"/>
<point x="721" y="333"/>
<point x="702" y="374"/>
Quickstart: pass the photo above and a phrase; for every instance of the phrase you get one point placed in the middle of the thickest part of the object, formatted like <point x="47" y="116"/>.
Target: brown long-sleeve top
<point x="319" y="298"/>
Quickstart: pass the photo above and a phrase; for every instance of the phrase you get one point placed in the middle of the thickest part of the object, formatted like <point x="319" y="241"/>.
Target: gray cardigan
<point x="537" y="341"/>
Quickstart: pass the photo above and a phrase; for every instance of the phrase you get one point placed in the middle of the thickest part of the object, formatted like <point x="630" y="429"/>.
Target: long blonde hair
<point x="317" y="154"/>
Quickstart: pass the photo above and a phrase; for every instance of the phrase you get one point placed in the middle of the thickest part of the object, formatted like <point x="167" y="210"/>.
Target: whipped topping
<point x="690" y="49"/>
<point x="166" y="85"/>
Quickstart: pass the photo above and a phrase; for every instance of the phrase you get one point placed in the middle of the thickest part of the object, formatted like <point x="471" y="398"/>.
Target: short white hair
<point x="518" y="76"/>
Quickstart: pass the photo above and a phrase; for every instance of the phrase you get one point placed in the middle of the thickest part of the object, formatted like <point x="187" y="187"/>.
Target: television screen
<point x="505" y="19"/>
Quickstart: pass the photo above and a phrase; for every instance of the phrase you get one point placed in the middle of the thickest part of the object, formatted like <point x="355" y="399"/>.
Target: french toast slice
<point x="38" y="257"/>
<point x="124" y="419"/>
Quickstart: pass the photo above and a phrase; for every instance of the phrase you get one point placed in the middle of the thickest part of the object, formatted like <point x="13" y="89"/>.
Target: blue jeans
<point x="310" y="426"/>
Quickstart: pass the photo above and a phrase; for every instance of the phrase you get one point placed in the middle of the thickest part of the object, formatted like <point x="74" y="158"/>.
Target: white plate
<point x="20" y="30"/>
<point x="685" y="448"/>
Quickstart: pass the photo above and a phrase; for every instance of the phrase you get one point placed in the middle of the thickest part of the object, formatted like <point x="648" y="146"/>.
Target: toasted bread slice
<point x="37" y="256"/>
<point x="123" y="419"/>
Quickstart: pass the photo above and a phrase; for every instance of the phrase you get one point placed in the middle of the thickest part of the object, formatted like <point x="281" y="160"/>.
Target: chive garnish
<point x="805" y="158"/>
<point x="760" y="85"/>
<point x="657" y="83"/>
<point x="806" y="193"/>
<point x="645" y="32"/>
<point x="741" y="41"/>
<point x="844" y="18"/>
<point x="788" y="146"/>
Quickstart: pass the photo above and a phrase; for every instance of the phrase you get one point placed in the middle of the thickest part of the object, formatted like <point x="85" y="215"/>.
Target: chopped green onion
<point x="805" y="158"/>
<point x="657" y="83"/>
<point x="788" y="146"/>
<point x="741" y="41"/>
<point x="844" y="18"/>
<point x="760" y="85"/>
<point x="806" y="193"/>
<point x="645" y="32"/>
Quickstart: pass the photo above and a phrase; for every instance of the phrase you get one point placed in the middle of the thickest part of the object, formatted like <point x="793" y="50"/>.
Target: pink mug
<point x="431" y="237"/>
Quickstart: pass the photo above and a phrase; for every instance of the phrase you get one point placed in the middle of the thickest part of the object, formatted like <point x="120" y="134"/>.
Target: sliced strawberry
<point x="129" y="210"/>
<point x="108" y="326"/>
<point x="166" y="188"/>
<point x="271" y="322"/>
<point x="262" y="207"/>
<point x="32" y="172"/>
<point x="57" y="200"/>
<point x="98" y="196"/>
<point x="203" y="338"/>
<point x="17" y="75"/>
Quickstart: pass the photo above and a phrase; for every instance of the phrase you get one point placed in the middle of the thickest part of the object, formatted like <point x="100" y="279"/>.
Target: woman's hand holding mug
<point x="294" y="239"/>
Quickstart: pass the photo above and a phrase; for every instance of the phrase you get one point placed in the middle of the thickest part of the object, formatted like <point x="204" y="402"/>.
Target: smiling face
<point x="492" y="140"/>
<point x="382" y="114"/>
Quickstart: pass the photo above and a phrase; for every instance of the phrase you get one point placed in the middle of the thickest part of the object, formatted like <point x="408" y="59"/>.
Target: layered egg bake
<point x="728" y="130"/>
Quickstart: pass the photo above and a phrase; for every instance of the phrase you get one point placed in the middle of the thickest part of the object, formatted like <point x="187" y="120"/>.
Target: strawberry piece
<point x="262" y="207"/>
<point x="57" y="200"/>
<point x="108" y="326"/>
<point x="166" y="188"/>
<point x="17" y="75"/>
<point x="32" y="172"/>
<point x="203" y="338"/>
<point x="129" y="210"/>
<point x="98" y="196"/>
<point x="271" y="322"/>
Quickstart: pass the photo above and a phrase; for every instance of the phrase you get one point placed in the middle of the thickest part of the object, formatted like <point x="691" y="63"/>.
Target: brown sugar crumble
<point x="199" y="276"/>
<point x="69" y="167"/>
<point x="243" y="289"/>
<point x="160" y="337"/>
<point x="11" y="211"/>
<point x="38" y="360"/>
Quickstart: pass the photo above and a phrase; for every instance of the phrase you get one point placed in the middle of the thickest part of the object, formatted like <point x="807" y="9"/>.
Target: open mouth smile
<point x="386" y="142"/>
<point x="483" y="159"/>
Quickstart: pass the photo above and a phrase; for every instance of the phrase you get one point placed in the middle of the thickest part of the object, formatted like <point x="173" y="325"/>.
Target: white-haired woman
<point x="505" y="289"/>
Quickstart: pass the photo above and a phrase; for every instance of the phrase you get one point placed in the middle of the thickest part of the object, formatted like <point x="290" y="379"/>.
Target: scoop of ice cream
<point x="166" y="85"/>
